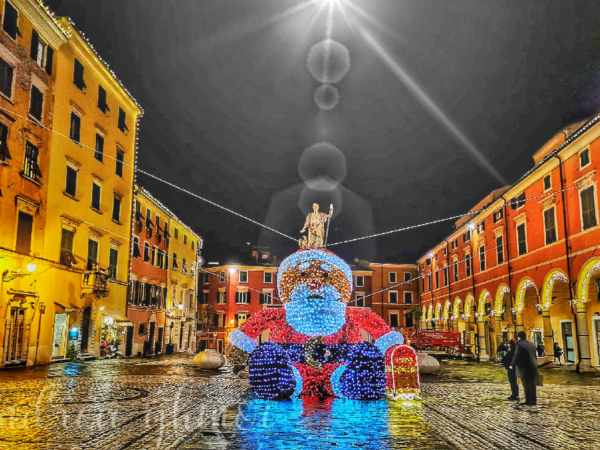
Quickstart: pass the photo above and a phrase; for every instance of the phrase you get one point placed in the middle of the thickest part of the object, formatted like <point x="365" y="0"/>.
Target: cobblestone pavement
<point x="168" y="403"/>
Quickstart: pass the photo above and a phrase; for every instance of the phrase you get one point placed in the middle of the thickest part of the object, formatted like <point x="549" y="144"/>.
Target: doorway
<point x="159" y="341"/>
<point x="596" y="334"/>
<point x="220" y="346"/>
<point x="151" y="336"/>
<point x="181" y="337"/>
<point x="59" y="345"/>
<point x="85" y="329"/>
<point x="568" y="341"/>
<point x="129" y="341"/>
<point x="15" y="348"/>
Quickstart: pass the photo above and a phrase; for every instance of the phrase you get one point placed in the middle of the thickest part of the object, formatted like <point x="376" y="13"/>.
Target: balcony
<point x="95" y="282"/>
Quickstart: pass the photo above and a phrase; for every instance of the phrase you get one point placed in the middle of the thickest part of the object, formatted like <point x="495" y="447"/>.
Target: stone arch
<point x="485" y="294"/>
<point x="548" y="286"/>
<point x="430" y="312"/>
<point x="438" y="310"/>
<point x="588" y="270"/>
<point x="522" y="287"/>
<point x="446" y="313"/>
<point x="469" y="303"/>
<point x="424" y="315"/>
<point x="503" y="289"/>
<point x="456" y="308"/>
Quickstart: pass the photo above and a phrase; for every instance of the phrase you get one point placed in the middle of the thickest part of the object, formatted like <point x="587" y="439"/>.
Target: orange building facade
<point x="526" y="258"/>
<point x="148" y="277"/>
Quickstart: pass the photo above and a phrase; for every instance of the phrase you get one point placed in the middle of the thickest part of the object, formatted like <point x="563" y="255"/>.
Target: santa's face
<point x="315" y="293"/>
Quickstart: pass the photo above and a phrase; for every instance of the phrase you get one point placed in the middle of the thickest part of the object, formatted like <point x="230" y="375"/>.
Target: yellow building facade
<point x="184" y="246"/>
<point x="65" y="209"/>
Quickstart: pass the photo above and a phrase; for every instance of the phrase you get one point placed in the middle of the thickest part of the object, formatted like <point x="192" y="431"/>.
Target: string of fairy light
<point x="515" y="201"/>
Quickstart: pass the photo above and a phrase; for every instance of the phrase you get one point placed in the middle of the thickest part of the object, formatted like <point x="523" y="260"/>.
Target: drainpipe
<point x="505" y="213"/>
<point x="568" y="255"/>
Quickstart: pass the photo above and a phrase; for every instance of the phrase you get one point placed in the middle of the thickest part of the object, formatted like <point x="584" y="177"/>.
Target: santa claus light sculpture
<point x="315" y="346"/>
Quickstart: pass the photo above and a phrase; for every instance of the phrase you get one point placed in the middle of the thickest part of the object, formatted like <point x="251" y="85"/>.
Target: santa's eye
<point x="303" y="274"/>
<point x="325" y="275"/>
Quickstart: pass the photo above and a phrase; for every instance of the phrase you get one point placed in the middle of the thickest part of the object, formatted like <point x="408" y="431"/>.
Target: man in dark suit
<point x="525" y="363"/>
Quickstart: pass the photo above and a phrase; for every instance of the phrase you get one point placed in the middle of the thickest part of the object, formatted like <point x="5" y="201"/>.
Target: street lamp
<point x="9" y="275"/>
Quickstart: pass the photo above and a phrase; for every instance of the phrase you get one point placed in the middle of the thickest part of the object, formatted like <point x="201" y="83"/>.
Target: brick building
<point x="526" y="258"/>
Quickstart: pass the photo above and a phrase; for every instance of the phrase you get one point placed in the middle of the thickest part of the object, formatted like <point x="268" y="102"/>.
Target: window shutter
<point x="248" y="297"/>
<point x="35" y="42"/>
<point x="49" y="57"/>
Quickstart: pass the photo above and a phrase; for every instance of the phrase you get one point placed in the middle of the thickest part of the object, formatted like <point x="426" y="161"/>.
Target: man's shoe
<point x="512" y="398"/>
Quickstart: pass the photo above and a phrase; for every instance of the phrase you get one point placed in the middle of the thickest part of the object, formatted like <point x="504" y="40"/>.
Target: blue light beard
<point x="315" y="316"/>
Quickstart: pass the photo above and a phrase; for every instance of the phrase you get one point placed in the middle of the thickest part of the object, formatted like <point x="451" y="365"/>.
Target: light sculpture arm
<point x="245" y="337"/>
<point x="376" y="327"/>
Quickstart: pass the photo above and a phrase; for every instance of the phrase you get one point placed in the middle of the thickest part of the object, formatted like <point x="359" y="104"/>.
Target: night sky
<point x="229" y="108"/>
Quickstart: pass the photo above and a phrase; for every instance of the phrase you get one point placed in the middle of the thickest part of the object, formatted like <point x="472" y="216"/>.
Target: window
<point x="204" y="298"/>
<point x="445" y="251"/>
<point x="498" y="216"/>
<point x="221" y="297"/>
<point x="550" y="226"/>
<point x="119" y="162"/>
<point x="392" y="277"/>
<point x="467" y="236"/>
<point x="206" y="278"/>
<point x="4" y="153"/>
<point x="122" y="125"/>
<point x="437" y="279"/>
<point x="468" y="265"/>
<point x="175" y="266"/>
<point x="78" y="75"/>
<point x="408" y="297"/>
<point x="360" y="300"/>
<point x="393" y="296"/>
<point x="24" y="229"/>
<point x="136" y="247"/>
<point x="481" y="227"/>
<point x="147" y="253"/>
<point x="242" y="298"/>
<point x="6" y="78"/>
<point x="268" y="277"/>
<point x="243" y="276"/>
<point x="11" y="18"/>
<point x="116" y="216"/>
<point x="266" y="298"/>
<point x="222" y="276"/>
<point x="92" y="260"/>
<point x="521" y="239"/>
<point x="547" y="183"/>
<point x="99" y="153"/>
<point x="184" y="267"/>
<point x="409" y="323"/>
<point x="71" y="183"/>
<point x="75" y="133"/>
<point x="102" y="106"/>
<point x="394" y="320"/>
<point x="185" y="239"/>
<point x="66" y="248"/>
<point x="96" y="194"/>
<point x="112" y="263"/>
<point x="429" y="282"/>
<point x="482" y="258"/>
<point x="454" y="244"/>
<point x="241" y="319"/>
<point x="141" y="329"/>
<point x="500" y="249"/>
<point x="406" y="276"/>
<point x="584" y="158"/>
<point x="192" y="245"/>
<point x="445" y="275"/>
<point x="588" y="207"/>
<point x="176" y="233"/>
<point x="360" y="281"/>
<point x="31" y="168"/>
<point x="518" y="202"/>
<point x="153" y="256"/>
<point x="36" y="103"/>
<point x="160" y="260"/>
<point x="455" y="270"/>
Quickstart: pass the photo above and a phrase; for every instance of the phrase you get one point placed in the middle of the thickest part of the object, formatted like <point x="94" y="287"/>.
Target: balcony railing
<point x="95" y="282"/>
